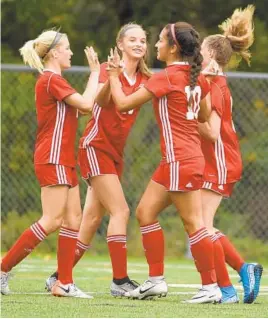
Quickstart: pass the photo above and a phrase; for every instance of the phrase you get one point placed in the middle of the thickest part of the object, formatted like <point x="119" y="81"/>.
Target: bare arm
<point x="125" y="103"/>
<point x="104" y="94"/>
<point x="205" y="109"/>
<point x="211" y="129"/>
<point x="84" y="103"/>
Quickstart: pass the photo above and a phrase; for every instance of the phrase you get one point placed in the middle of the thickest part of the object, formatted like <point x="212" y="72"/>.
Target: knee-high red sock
<point x="118" y="254"/>
<point x="223" y="278"/>
<point x="203" y="254"/>
<point x="79" y="251"/>
<point x="23" y="246"/>
<point x="232" y="256"/>
<point x="153" y="244"/>
<point x="66" y="250"/>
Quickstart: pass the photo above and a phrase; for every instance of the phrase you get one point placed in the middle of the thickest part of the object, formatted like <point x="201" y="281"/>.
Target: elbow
<point x="122" y="108"/>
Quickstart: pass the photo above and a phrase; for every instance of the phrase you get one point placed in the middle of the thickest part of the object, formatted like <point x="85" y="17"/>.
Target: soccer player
<point x="179" y="98"/>
<point x="221" y="149"/>
<point x="101" y="158"/>
<point x="57" y="106"/>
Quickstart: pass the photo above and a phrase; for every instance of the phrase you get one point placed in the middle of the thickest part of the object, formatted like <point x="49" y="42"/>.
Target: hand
<point x="92" y="58"/>
<point x="212" y="68"/>
<point x="115" y="64"/>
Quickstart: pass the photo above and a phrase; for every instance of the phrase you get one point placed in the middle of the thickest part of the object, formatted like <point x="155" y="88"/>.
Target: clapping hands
<point x="92" y="58"/>
<point x="114" y="64"/>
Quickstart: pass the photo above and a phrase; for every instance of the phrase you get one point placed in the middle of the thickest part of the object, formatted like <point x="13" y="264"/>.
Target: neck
<point x="53" y="67"/>
<point x="173" y="59"/>
<point x="130" y="66"/>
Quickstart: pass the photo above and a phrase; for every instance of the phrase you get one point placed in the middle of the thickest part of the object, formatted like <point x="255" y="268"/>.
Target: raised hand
<point x="212" y="68"/>
<point x="115" y="65"/>
<point x="92" y="58"/>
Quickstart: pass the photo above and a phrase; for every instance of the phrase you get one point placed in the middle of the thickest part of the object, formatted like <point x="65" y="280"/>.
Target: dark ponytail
<point x="188" y="43"/>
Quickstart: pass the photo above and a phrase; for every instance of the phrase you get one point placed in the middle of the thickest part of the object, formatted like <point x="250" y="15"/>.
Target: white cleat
<point x="4" y="283"/>
<point x="149" y="290"/>
<point x="121" y="290"/>
<point x="69" y="290"/>
<point x="50" y="282"/>
<point x="206" y="296"/>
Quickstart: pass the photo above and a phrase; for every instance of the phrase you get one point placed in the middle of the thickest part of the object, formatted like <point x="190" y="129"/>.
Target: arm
<point x="125" y="103"/>
<point x="205" y="109"/>
<point x="84" y="103"/>
<point x="104" y="94"/>
<point x="211" y="129"/>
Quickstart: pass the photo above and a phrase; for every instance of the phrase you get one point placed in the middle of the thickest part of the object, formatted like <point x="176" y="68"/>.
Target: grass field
<point x="93" y="275"/>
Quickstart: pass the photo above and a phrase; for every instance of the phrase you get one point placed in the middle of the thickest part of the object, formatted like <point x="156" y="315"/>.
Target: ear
<point x="54" y="53"/>
<point x="173" y="49"/>
<point x="212" y="54"/>
<point x="120" y="46"/>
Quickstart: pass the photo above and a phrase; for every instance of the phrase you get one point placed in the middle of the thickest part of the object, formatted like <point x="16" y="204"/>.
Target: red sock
<point x="79" y="251"/>
<point x="153" y="244"/>
<point x="223" y="278"/>
<point x="66" y="250"/>
<point x="118" y="254"/>
<point x="23" y="246"/>
<point x="203" y="254"/>
<point x="232" y="256"/>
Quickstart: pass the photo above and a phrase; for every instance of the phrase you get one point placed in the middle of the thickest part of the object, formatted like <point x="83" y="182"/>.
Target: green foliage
<point x="96" y="22"/>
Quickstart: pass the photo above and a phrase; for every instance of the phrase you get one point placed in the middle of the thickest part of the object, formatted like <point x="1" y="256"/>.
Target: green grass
<point x="93" y="274"/>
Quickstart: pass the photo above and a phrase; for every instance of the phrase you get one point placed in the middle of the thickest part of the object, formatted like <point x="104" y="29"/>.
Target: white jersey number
<point x="196" y="99"/>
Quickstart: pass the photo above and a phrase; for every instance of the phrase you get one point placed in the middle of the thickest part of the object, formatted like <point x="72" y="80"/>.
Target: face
<point x="206" y="54"/>
<point x="133" y="44"/>
<point x="63" y="53"/>
<point x="162" y="46"/>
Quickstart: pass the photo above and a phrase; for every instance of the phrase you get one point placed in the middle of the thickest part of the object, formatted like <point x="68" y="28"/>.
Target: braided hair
<point x="187" y="40"/>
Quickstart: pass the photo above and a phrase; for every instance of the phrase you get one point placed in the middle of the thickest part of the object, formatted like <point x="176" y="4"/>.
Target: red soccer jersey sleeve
<point x="59" y="88"/>
<point x="217" y="100"/>
<point x="158" y="84"/>
<point x="103" y="73"/>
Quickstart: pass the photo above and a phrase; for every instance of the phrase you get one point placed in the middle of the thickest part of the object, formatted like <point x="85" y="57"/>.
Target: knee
<point x="121" y="214"/>
<point x="50" y="225"/>
<point x="193" y="224"/>
<point x="143" y="215"/>
<point x="73" y="220"/>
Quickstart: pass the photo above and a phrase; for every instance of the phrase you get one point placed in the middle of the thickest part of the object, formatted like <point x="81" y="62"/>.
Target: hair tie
<point x="172" y="28"/>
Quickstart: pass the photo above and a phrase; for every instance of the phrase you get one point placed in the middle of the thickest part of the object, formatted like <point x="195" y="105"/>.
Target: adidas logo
<point x="220" y="187"/>
<point x="189" y="185"/>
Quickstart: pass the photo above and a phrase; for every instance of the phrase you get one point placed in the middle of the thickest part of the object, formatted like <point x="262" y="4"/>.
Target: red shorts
<point x="51" y="174"/>
<point x="93" y="162"/>
<point x="182" y="175"/>
<point x="223" y="189"/>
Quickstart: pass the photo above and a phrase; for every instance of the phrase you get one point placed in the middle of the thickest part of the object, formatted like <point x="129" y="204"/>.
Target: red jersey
<point x="179" y="136"/>
<point x="56" y="121"/>
<point x="108" y="129"/>
<point x="223" y="158"/>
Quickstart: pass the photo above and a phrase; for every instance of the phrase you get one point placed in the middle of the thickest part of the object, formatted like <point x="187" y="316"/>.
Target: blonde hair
<point x="142" y="66"/>
<point x="237" y="37"/>
<point x="34" y="52"/>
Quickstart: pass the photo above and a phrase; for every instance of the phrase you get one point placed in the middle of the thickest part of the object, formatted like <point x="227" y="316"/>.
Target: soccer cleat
<point x="69" y="290"/>
<point x="4" y="283"/>
<point x="229" y="295"/>
<point x="206" y="296"/>
<point x="121" y="290"/>
<point x="250" y="277"/>
<point x="149" y="290"/>
<point x="50" y="282"/>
